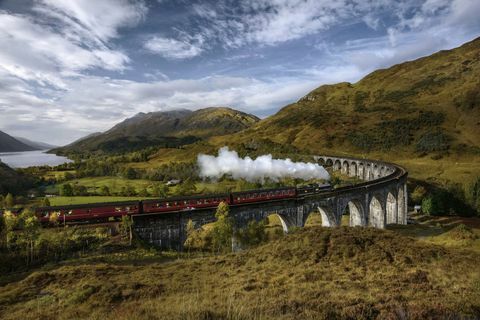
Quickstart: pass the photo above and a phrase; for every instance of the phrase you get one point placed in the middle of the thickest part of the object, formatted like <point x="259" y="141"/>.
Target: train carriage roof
<point x="263" y="190"/>
<point x="91" y="205"/>
<point x="206" y="196"/>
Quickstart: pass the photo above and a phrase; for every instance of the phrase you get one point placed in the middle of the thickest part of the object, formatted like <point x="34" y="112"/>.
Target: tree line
<point x="454" y="199"/>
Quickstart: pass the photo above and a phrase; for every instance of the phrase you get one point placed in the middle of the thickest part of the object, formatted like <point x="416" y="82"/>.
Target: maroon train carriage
<point x="263" y="195"/>
<point x="184" y="203"/>
<point x="88" y="212"/>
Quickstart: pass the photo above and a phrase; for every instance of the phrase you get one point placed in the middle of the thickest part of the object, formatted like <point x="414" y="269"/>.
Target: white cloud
<point x="97" y="20"/>
<point x="174" y="49"/>
<point x="270" y="22"/>
<point x="64" y="38"/>
<point x="47" y="90"/>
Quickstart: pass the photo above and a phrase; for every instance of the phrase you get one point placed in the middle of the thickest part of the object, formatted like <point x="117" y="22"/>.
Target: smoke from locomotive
<point x="229" y="163"/>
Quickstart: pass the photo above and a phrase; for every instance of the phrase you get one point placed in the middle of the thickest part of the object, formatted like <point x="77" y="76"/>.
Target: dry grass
<point x="315" y="273"/>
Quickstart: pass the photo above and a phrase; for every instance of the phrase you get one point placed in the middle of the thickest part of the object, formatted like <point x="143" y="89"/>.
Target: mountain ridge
<point x="425" y="106"/>
<point x="164" y="128"/>
<point x="36" y="144"/>
<point x="11" y="144"/>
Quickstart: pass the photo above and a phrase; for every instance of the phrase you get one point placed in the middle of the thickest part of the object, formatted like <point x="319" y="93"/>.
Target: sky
<point x="72" y="67"/>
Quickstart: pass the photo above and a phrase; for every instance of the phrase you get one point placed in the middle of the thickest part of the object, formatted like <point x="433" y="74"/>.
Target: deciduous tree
<point x="222" y="231"/>
<point x="9" y="201"/>
<point x="127" y="226"/>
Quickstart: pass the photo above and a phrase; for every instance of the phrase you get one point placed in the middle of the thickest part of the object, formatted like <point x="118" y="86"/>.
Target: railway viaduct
<point x="380" y="198"/>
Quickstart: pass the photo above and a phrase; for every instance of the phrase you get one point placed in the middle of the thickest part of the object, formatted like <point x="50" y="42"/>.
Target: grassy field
<point x="115" y="184"/>
<point x="314" y="273"/>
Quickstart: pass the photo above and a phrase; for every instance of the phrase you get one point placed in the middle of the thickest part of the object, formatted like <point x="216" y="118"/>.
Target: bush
<point x="66" y="190"/>
<point x="472" y="194"/>
<point x="253" y="234"/>
<point x="428" y="206"/>
<point x="433" y="141"/>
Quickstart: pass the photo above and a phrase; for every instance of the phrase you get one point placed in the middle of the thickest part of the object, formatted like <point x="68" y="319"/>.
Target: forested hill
<point x="11" y="181"/>
<point x="164" y="129"/>
<point x="10" y="144"/>
<point x="427" y="106"/>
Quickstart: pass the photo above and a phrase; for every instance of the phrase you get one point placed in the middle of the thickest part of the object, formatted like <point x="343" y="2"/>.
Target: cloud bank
<point x="69" y="68"/>
<point x="229" y="163"/>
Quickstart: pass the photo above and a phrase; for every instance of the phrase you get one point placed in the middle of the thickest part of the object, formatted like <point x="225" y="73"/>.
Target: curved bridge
<point x="380" y="198"/>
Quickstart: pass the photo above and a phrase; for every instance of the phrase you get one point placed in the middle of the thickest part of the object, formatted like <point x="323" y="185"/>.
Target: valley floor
<point x="426" y="270"/>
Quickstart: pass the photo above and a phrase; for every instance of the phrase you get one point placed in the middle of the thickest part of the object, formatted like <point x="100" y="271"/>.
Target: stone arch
<point x="337" y="165"/>
<point x="382" y="171"/>
<point x="357" y="213"/>
<point x="329" y="162"/>
<point x="401" y="207"/>
<point x="321" y="161"/>
<point x="328" y="218"/>
<point x="284" y="221"/>
<point x="376" y="216"/>
<point x="361" y="171"/>
<point x="391" y="209"/>
<point x="368" y="172"/>
<point x="345" y="167"/>
<point x="376" y="171"/>
<point x="353" y="169"/>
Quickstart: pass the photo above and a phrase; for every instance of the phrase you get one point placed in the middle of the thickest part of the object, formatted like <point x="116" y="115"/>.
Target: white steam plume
<point x="228" y="162"/>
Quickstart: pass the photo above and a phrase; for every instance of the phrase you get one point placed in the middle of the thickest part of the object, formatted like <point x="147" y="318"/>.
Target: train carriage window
<point x="127" y="208"/>
<point x="167" y="204"/>
<point x="117" y="209"/>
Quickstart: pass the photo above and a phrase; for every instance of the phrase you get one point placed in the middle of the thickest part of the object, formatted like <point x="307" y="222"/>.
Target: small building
<point x="417" y="209"/>
<point x="173" y="182"/>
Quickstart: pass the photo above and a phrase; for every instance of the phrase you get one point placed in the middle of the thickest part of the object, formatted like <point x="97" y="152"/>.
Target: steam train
<point x="100" y="212"/>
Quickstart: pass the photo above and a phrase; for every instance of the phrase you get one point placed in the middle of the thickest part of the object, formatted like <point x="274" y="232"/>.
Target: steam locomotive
<point x="100" y="212"/>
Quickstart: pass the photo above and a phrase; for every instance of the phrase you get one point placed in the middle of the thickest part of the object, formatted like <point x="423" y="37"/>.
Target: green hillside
<point x="12" y="181"/>
<point x="423" y="114"/>
<point x="427" y="106"/>
<point x="164" y="129"/>
<point x="10" y="144"/>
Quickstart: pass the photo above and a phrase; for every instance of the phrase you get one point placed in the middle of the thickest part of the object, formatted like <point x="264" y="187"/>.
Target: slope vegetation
<point x="12" y="181"/>
<point x="164" y="129"/>
<point x="316" y="273"/>
<point x="430" y="105"/>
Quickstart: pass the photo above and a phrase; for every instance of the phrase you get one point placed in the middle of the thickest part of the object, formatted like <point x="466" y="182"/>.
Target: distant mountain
<point x="430" y="105"/>
<point x="91" y="135"/>
<point x="11" y="144"/>
<point x="35" y="144"/>
<point x="164" y="129"/>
